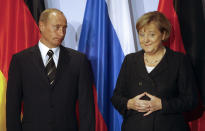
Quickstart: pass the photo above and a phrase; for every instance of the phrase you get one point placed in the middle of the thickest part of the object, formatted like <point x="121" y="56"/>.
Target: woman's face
<point x="150" y="38"/>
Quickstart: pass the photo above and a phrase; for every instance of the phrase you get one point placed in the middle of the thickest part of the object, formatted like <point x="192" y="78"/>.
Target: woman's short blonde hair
<point x="159" y="19"/>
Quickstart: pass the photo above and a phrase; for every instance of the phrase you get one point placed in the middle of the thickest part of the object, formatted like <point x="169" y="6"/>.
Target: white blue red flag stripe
<point x="106" y="37"/>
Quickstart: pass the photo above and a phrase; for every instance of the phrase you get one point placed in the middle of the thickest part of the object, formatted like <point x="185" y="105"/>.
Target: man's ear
<point x="41" y="26"/>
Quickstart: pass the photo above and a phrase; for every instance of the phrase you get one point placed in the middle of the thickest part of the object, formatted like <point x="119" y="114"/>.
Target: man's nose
<point x="61" y="32"/>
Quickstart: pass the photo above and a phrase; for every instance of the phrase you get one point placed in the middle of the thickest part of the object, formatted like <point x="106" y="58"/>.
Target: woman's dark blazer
<point x="172" y="80"/>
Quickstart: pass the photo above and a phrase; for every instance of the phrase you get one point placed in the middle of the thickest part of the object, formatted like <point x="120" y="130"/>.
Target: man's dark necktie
<point x="51" y="68"/>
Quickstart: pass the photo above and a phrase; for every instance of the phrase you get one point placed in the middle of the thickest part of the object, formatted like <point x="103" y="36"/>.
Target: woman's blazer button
<point x="140" y="83"/>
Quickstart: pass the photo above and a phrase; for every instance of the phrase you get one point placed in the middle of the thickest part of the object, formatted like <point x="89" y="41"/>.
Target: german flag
<point x="175" y="42"/>
<point x="192" y="23"/>
<point x="18" y="30"/>
<point x="188" y="21"/>
<point x="191" y="14"/>
<point x="188" y="30"/>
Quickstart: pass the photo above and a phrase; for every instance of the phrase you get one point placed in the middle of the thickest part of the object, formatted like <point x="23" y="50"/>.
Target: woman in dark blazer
<point x="156" y="84"/>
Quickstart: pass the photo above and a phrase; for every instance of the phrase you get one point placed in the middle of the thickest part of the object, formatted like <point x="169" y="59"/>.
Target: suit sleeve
<point x="119" y="99"/>
<point x="13" y="97"/>
<point x="187" y="98"/>
<point x="85" y="97"/>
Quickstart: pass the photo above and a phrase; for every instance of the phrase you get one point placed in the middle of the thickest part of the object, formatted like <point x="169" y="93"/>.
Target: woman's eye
<point x="141" y="35"/>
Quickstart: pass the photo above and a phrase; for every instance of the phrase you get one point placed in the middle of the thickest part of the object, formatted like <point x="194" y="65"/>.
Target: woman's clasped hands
<point x="147" y="106"/>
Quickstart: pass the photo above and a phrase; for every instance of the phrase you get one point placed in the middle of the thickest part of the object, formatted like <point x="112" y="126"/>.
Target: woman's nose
<point x="146" y="39"/>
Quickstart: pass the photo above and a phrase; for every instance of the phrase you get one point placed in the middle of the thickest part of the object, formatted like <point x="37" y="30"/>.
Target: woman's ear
<point x="164" y="35"/>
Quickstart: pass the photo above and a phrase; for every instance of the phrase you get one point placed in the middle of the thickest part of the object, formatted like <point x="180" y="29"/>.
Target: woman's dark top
<point x="172" y="80"/>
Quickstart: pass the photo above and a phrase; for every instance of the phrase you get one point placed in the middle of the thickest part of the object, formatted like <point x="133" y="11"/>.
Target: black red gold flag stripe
<point x="18" y="30"/>
<point x="192" y="22"/>
<point x="36" y="7"/>
<point x="188" y="30"/>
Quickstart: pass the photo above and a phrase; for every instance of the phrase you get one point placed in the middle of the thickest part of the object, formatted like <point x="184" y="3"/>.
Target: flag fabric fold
<point x="175" y="42"/>
<point x="2" y="102"/>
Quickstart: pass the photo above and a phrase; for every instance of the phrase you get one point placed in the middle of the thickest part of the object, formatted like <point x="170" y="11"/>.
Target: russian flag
<point x="106" y="37"/>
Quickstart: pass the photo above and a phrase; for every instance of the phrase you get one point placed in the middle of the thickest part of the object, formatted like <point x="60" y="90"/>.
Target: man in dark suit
<point x="50" y="79"/>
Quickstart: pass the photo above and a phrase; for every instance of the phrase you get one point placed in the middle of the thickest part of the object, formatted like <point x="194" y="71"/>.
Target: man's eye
<point x="64" y="28"/>
<point x="56" y="27"/>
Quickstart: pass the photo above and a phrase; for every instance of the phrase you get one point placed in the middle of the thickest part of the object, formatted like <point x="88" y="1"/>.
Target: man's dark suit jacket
<point x="172" y="80"/>
<point x="48" y="108"/>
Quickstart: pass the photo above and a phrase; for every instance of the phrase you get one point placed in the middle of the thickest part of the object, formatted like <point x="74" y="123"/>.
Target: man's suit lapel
<point x="38" y="62"/>
<point x="62" y="63"/>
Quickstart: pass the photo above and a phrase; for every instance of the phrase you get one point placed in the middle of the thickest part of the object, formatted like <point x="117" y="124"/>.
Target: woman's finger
<point x="149" y="112"/>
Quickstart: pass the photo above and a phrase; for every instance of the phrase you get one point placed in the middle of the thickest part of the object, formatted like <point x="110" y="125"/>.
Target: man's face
<point x="53" y="30"/>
